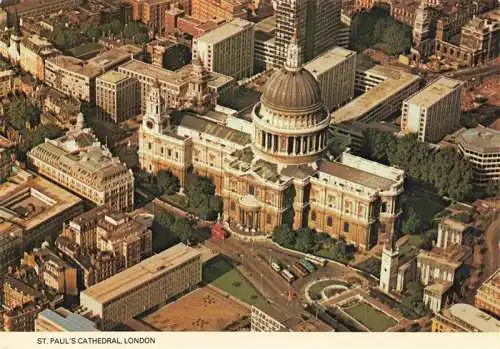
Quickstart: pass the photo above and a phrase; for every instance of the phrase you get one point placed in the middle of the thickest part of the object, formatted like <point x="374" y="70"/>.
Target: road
<point x="255" y="265"/>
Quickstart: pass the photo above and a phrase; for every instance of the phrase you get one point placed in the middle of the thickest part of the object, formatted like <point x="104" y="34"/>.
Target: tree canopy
<point x="23" y="111"/>
<point x="305" y="240"/>
<point x="444" y="169"/>
<point x="183" y="230"/>
<point x="378" y="27"/>
<point x="284" y="236"/>
<point x="412" y="224"/>
<point x="167" y="183"/>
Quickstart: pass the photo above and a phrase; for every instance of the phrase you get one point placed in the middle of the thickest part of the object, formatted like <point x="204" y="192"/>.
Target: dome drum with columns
<point x="291" y="121"/>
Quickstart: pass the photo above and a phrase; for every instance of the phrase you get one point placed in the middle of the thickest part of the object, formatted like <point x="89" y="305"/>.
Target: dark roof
<point x="355" y="175"/>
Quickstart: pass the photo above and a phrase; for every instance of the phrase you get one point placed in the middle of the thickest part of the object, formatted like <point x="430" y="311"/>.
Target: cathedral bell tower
<point x="156" y="118"/>
<point x="389" y="265"/>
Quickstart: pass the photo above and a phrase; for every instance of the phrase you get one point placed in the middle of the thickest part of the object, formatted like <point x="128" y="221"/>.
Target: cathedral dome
<point x="290" y="123"/>
<point x="292" y="90"/>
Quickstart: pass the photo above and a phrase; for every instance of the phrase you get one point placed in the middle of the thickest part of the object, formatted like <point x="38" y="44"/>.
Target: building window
<point x="149" y="146"/>
<point x="251" y="190"/>
<point x="346" y="227"/>
<point x="269" y="219"/>
<point x="233" y="206"/>
<point x="169" y="152"/>
<point x="313" y="216"/>
<point x="329" y="221"/>
<point x="384" y="207"/>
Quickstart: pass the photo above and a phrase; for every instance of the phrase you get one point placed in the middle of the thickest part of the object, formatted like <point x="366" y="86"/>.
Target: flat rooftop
<point x="475" y="318"/>
<point x="329" y="59"/>
<point x="225" y="31"/>
<point x="267" y="25"/>
<point x="434" y="92"/>
<point x="68" y="321"/>
<point x="113" y="77"/>
<point x="204" y="309"/>
<point x="355" y="175"/>
<point x="395" y="82"/>
<point x="482" y="139"/>
<point x="139" y="274"/>
<point x="28" y="200"/>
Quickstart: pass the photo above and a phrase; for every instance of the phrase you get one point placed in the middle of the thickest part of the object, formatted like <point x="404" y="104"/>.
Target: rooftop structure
<point x="113" y="77"/>
<point x="488" y="294"/>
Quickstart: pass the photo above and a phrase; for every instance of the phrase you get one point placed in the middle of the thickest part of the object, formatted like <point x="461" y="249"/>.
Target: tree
<point x="413" y="297"/>
<point x="183" y="230"/>
<point x="412" y="223"/>
<point x="396" y="39"/>
<point x="199" y="191"/>
<point x="165" y="220"/>
<point x="93" y="33"/>
<point x="21" y="112"/>
<point x="284" y="235"/>
<point x="167" y="183"/>
<point x="341" y="252"/>
<point x="305" y="240"/>
<point x="43" y="131"/>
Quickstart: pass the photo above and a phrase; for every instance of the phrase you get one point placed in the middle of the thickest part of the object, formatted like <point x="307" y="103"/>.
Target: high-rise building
<point x="433" y="112"/>
<point x="317" y="23"/>
<point x="117" y="96"/>
<point x="228" y="50"/>
<point x="335" y="72"/>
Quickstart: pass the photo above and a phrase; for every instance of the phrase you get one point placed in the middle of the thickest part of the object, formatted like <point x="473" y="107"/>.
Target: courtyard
<point x="368" y="316"/>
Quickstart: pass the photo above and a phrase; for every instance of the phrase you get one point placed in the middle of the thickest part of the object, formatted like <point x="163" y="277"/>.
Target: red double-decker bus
<point x="218" y="233"/>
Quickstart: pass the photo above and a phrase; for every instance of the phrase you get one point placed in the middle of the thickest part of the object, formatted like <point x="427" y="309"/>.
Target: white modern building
<point x="228" y="49"/>
<point x="433" y="112"/>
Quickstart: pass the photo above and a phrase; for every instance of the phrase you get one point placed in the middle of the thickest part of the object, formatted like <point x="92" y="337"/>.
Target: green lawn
<point x="370" y="317"/>
<point x="370" y="265"/>
<point x="315" y="289"/>
<point x="222" y="274"/>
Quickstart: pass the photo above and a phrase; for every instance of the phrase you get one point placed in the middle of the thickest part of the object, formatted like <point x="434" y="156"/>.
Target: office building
<point x="226" y="10"/>
<point x="34" y="208"/>
<point x="63" y="320"/>
<point x="383" y="91"/>
<point x="488" y="295"/>
<point x="228" y="49"/>
<point x="433" y="112"/>
<point x="175" y="85"/>
<point x="143" y="286"/>
<point x="317" y="23"/>
<point x="79" y="162"/>
<point x="34" y="51"/>
<point x="265" y="44"/>
<point x="77" y="78"/>
<point x="117" y="97"/>
<point x="335" y="72"/>
<point x="463" y="317"/>
<point x="481" y="147"/>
